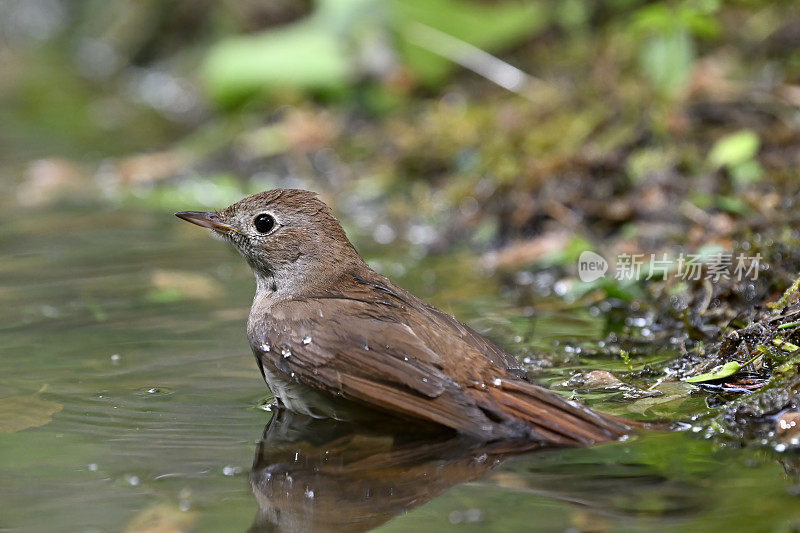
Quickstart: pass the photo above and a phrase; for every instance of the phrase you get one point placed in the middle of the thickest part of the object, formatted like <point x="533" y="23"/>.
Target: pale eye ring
<point x="264" y="223"/>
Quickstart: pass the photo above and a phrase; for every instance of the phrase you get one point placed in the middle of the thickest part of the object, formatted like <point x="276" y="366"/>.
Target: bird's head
<point x="288" y="236"/>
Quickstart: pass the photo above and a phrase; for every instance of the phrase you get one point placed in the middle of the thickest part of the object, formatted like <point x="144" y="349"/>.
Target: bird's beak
<point x="207" y="220"/>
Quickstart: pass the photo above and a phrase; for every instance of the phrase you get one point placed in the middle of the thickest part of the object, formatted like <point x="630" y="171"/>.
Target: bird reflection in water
<point x="326" y="475"/>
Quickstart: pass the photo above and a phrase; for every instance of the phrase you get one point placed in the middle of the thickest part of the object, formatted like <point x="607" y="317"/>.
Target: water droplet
<point x="307" y="339"/>
<point x="309" y="493"/>
<point x="497" y="382"/>
<point x="780" y="448"/>
<point x="229" y="470"/>
<point x="473" y="515"/>
<point x="296" y="456"/>
<point x="154" y="391"/>
<point x="286" y="352"/>
<point x="93" y="467"/>
<point x="115" y="358"/>
<point x="366" y="347"/>
<point x="405" y="358"/>
<point x="265" y="347"/>
<point x="49" y="311"/>
<point x="424" y="380"/>
<point x="132" y="480"/>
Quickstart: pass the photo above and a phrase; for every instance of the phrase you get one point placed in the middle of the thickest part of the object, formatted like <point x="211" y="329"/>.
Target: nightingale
<point x="332" y="337"/>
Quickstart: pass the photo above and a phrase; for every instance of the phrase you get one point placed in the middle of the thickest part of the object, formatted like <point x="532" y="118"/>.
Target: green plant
<point x="668" y="33"/>
<point x="737" y="154"/>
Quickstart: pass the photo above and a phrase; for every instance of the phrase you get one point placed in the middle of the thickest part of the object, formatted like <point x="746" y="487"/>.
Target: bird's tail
<point x="549" y="417"/>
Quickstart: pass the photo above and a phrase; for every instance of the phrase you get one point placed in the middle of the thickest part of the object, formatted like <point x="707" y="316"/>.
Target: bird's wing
<point x="438" y="330"/>
<point x="378" y="345"/>
<point x="354" y="349"/>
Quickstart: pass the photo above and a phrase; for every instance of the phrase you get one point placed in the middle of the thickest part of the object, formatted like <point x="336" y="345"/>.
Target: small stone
<point x="787" y="427"/>
<point x="596" y="379"/>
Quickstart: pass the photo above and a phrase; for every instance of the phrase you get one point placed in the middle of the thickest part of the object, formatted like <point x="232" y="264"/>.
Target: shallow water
<point x="130" y="399"/>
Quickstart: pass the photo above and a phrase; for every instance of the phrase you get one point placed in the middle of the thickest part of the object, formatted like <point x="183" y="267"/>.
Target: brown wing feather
<point x="380" y="346"/>
<point x="400" y="375"/>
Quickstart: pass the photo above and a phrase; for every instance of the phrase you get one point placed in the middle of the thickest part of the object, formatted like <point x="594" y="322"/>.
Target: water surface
<point x="130" y="399"/>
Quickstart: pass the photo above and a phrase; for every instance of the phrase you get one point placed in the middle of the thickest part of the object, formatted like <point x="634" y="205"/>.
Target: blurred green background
<point x="425" y="106"/>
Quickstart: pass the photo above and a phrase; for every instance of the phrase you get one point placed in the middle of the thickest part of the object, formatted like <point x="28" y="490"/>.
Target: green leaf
<point x="734" y="149"/>
<point x="732" y="204"/>
<point x="210" y="192"/>
<point x="22" y="412"/>
<point x="303" y="55"/>
<point x="489" y="27"/>
<point x="746" y="173"/>
<point x="328" y="50"/>
<point x="718" y="372"/>
<point x="786" y="346"/>
<point x="668" y="60"/>
<point x="788" y="366"/>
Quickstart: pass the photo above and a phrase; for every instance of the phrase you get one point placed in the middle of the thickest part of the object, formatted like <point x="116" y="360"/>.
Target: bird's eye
<point x="264" y="223"/>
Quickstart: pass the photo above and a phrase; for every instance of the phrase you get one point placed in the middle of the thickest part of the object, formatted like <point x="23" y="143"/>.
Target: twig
<point x="470" y="57"/>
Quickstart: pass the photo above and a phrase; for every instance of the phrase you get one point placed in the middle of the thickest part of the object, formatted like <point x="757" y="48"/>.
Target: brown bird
<point x="332" y="336"/>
